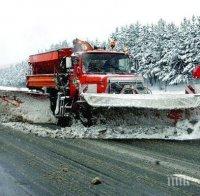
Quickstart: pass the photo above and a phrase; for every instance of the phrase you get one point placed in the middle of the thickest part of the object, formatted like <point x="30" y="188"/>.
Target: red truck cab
<point x="95" y="71"/>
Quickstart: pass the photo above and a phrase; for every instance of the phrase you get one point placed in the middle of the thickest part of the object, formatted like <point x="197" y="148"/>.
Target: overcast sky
<point x="31" y="25"/>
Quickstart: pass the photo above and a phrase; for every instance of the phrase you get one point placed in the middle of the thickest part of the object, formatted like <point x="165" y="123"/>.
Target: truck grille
<point x="126" y="88"/>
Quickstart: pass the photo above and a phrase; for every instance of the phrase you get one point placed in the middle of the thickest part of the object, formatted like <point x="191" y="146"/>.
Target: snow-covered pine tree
<point x="164" y="53"/>
<point x="15" y="75"/>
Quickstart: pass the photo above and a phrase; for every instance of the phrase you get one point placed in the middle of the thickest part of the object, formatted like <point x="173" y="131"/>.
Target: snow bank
<point x="25" y="107"/>
<point x="181" y="132"/>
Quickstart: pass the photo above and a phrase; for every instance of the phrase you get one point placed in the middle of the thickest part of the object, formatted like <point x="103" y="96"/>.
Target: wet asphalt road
<point x="31" y="165"/>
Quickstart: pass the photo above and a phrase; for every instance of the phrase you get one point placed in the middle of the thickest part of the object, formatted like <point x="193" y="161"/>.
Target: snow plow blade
<point x="160" y="116"/>
<point x="22" y="104"/>
<point x="147" y="101"/>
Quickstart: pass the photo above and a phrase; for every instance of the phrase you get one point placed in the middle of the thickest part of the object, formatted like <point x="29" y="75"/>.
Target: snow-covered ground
<point x="183" y="131"/>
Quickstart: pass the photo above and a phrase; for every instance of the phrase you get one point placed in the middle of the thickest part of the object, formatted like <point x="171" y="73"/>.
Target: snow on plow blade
<point x="148" y="101"/>
<point x="162" y="116"/>
<point x="25" y="105"/>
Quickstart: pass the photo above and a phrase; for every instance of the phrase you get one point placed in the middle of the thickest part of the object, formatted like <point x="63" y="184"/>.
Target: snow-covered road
<point x="46" y="166"/>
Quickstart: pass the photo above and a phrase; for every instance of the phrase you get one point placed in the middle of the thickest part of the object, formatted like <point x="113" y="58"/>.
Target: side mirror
<point x="68" y="62"/>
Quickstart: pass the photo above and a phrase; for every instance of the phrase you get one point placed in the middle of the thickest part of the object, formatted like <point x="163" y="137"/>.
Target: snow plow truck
<point x="95" y="85"/>
<point x="79" y="79"/>
<point x="98" y="86"/>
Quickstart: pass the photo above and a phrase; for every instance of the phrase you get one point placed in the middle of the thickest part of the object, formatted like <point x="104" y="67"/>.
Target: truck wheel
<point x="65" y="121"/>
<point x="85" y="116"/>
<point x="53" y="99"/>
<point x="53" y="105"/>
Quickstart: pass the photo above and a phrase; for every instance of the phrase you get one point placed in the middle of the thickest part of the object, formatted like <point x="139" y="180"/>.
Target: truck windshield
<point x="106" y="63"/>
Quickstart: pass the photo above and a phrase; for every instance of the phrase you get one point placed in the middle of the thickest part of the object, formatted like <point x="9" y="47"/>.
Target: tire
<point x="85" y="116"/>
<point x="65" y="121"/>
<point x="53" y="99"/>
<point x="53" y="105"/>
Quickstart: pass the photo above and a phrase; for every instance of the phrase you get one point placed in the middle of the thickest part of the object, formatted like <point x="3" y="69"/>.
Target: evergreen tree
<point x="163" y="53"/>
